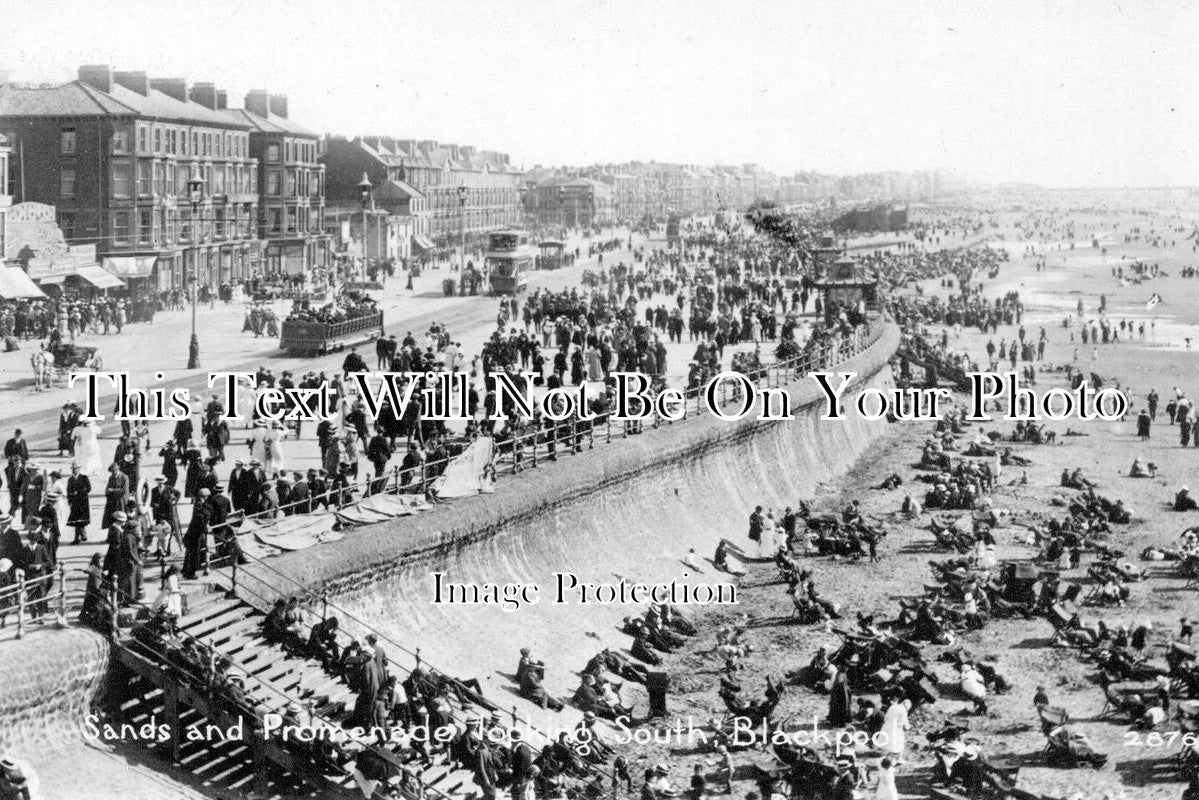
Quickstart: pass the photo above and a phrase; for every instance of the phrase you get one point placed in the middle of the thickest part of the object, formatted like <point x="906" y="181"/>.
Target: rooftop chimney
<point x="171" y="87"/>
<point x="97" y="76"/>
<point x="257" y="102"/>
<point x="133" y="81"/>
<point x="204" y="94"/>
<point x="409" y="146"/>
<point x="467" y="151"/>
<point x="278" y="105"/>
<point x="222" y="99"/>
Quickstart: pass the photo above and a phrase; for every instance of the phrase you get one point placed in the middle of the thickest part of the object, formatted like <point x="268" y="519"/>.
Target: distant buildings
<point x="445" y="189"/>
<point x="290" y="185"/>
<point x="171" y="185"/>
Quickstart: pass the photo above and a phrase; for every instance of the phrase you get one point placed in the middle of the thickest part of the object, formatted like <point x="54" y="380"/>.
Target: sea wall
<point x="694" y="461"/>
<point x="49" y="681"/>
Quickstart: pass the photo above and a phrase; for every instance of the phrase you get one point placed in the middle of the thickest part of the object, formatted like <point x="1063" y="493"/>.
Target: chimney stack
<point x="204" y="94"/>
<point x="171" y="87"/>
<point x="133" y="81"/>
<point x="257" y="102"/>
<point x="97" y="76"/>
<point x="278" y="105"/>
<point x="222" y="99"/>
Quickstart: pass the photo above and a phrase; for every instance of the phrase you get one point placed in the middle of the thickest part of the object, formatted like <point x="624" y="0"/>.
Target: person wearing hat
<point x="195" y="540"/>
<point x="164" y="511"/>
<point x="49" y="513"/>
<point x="529" y="675"/>
<point x="79" y="511"/>
<point x="238" y="488"/>
<point x="67" y="420"/>
<point x="37" y="564"/>
<point x="116" y="494"/>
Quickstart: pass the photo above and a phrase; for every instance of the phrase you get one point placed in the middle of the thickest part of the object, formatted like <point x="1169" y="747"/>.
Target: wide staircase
<point x="161" y="690"/>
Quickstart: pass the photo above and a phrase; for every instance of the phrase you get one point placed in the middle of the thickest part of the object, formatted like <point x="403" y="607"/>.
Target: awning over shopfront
<point x="48" y="279"/>
<point x="423" y="242"/>
<point x="130" y="266"/>
<point x="99" y="278"/>
<point x="16" y="285"/>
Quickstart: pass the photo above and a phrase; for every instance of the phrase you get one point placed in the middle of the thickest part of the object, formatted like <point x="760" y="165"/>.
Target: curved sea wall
<point x="627" y="510"/>
<point x="49" y="681"/>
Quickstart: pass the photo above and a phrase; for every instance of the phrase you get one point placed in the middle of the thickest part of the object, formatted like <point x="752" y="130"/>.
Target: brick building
<point x="114" y="151"/>
<point x="421" y="179"/>
<point x="290" y="187"/>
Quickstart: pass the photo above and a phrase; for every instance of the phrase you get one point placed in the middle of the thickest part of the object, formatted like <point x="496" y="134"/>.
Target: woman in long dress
<point x="272" y="449"/>
<point x="895" y="726"/>
<point x="839" y="702"/>
<point x="595" y="370"/>
<point x="767" y="547"/>
<point x="886" y="781"/>
<point x="170" y="599"/>
<point x="87" y="448"/>
<point x="192" y="458"/>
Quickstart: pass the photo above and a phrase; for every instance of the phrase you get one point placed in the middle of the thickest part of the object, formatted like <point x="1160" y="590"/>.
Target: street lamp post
<point x="462" y="192"/>
<point x="364" y="193"/>
<point x="195" y="194"/>
<point x="561" y="208"/>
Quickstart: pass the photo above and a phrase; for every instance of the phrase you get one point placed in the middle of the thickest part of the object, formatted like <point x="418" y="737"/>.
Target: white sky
<point x="1081" y="92"/>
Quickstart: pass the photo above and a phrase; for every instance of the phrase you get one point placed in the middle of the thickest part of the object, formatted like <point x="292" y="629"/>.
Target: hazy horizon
<point x="1059" y="95"/>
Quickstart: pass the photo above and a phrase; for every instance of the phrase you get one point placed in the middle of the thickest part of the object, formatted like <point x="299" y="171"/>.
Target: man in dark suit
<point x="116" y="493"/>
<point x="79" y="489"/>
<point x="16" y="453"/>
<point x="300" y="501"/>
<point x="237" y="485"/>
<point x="196" y="540"/>
<point x="318" y="490"/>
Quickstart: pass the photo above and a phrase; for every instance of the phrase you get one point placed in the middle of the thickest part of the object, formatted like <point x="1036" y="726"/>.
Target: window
<point x="120" y="227"/>
<point x="272" y="181"/>
<point x="196" y="144"/>
<point x="120" y="140"/>
<point x="172" y="141"/>
<point x="217" y="187"/>
<point x="142" y="141"/>
<point x="220" y="146"/>
<point x="170" y="224"/>
<point x="144" y="184"/>
<point x="276" y="220"/>
<point x="122" y="179"/>
<point x="183" y="137"/>
<point x="185" y="224"/>
<point x="157" y="139"/>
<point x="219" y="217"/>
<point x="291" y="219"/>
<point x="66" y="182"/>
<point x="171" y="179"/>
<point x="272" y="152"/>
<point x="67" y="141"/>
<point x="291" y="183"/>
<point x="159" y="179"/>
<point x="145" y="226"/>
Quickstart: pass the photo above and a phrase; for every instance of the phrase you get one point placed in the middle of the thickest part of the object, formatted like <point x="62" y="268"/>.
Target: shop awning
<point x="130" y="266"/>
<point x="98" y="277"/>
<point x="423" y="242"/>
<point x="16" y="285"/>
<point x="45" y="279"/>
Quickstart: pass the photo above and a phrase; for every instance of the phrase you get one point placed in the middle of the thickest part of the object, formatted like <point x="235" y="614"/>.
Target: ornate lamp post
<point x="562" y="208"/>
<point x="195" y="194"/>
<point x="364" y="193"/>
<point x="462" y="193"/>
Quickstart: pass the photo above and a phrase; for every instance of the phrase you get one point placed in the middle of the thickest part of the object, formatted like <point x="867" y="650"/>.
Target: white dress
<point x="170" y="597"/>
<point x="766" y="545"/>
<point x="886" y="784"/>
<point x="272" y="456"/>
<point x="87" y="449"/>
<point x="895" y="725"/>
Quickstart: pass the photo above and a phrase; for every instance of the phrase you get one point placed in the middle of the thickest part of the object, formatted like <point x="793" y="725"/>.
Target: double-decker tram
<point x="509" y="259"/>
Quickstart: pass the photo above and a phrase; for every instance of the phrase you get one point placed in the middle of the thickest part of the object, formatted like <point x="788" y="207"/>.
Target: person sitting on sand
<point x="1138" y="470"/>
<point x="1183" y="500"/>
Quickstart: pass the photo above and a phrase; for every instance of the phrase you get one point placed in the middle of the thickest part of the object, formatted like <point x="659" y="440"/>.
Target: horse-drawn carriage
<point x="72" y="358"/>
<point x="59" y="361"/>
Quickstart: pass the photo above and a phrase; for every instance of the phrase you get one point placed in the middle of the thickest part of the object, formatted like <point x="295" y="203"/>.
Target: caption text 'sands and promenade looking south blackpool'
<point x="561" y="400"/>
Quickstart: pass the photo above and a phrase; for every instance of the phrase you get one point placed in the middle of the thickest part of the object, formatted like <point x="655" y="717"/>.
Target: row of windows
<point x="166" y="179"/>
<point x="167" y="140"/>
<point x="294" y="183"/>
<point x="173" y="225"/>
<point x="293" y="150"/>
